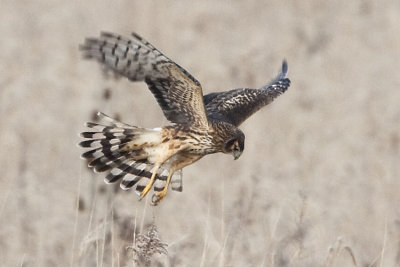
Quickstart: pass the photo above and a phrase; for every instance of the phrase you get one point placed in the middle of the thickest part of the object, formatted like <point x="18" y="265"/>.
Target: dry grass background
<point x="318" y="184"/>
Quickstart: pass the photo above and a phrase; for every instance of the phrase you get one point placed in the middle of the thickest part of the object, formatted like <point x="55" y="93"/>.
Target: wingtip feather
<point x="137" y="36"/>
<point x="285" y="67"/>
<point x="107" y="34"/>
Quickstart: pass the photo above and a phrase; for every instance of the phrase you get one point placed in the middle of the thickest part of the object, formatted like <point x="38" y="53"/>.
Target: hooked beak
<point x="236" y="154"/>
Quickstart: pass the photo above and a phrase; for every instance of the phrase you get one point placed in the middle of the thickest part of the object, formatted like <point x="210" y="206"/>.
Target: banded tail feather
<point x="121" y="149"/>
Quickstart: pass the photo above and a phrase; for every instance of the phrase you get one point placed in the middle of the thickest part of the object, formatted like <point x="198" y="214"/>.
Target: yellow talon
<point x="160" y="195"/>
<point x="149" y="185"/>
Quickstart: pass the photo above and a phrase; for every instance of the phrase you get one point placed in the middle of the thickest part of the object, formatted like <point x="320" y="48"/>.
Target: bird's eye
<point x="230" y="145"/>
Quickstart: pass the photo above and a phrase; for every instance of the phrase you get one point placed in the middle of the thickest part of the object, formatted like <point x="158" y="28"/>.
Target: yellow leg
<point x="160" y="195"/>
<point x="150" y="184"/>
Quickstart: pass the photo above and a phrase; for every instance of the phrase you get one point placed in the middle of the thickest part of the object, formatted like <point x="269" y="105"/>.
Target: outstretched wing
<point x="177" y="92"/>
<point x="235" y="106"/>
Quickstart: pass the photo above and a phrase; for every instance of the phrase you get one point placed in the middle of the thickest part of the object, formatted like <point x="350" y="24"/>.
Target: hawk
<point x="201" y="125"/>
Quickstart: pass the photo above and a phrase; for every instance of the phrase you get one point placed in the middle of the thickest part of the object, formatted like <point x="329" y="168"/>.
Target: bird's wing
<point x="236" y="105"/>
<point x="177" y="92"/>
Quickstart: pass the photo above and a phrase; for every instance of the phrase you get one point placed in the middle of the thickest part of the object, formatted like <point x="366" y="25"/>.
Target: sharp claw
<point x="149" y="185"/>
<point x="155" y="200"/>
<point x="145" y="191"/>
<point x="158" y="196"/>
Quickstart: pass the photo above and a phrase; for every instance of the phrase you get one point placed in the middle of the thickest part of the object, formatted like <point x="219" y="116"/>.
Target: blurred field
<point x="317" y="185"/>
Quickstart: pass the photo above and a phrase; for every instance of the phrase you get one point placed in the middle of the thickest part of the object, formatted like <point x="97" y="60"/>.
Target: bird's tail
<point x="119" y="148"/>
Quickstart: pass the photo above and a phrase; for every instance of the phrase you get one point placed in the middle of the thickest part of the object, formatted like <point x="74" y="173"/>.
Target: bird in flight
<point x="200" y="124"/>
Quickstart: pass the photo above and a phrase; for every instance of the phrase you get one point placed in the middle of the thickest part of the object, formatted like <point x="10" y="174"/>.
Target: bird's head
<point x="235" y="144"/>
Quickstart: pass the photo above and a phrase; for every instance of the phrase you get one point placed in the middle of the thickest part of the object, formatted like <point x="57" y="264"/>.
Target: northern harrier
<point x="201" y="125"/>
